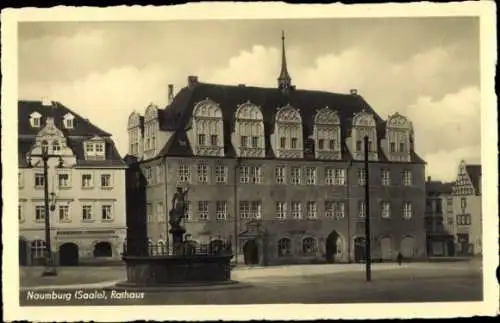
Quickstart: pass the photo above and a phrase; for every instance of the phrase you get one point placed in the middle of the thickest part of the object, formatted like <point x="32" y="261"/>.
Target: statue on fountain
<point x="177" y="213"/>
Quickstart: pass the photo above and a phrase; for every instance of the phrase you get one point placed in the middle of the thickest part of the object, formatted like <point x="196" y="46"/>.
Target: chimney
<point x="46" y="102"/>
<point x="170" y="93"/>
<point x="354" y="92"/>
<point x="192" y="81"/>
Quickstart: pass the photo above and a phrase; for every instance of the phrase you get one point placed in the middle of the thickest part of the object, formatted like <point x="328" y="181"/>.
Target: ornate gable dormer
<point x="327" y="134"/>
<point x="398" y="138"/>
<point x="248" y="135"/>
<point x="463" y="183"/>
<point x="151" y="128"/>
<point x="95" y="148"/>
<point x="363" y="124"/>
<point x="135" y="132"/>
<point x="36" y="119"/>
<point x="208" y="129"/>
<point x="288" y="135"/>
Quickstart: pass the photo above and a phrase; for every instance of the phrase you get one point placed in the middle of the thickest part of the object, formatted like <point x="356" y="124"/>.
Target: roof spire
<point x="284" y="80"/>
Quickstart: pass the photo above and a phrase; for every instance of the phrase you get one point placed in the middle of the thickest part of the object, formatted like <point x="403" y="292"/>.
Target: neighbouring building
<point x="86" y="180"/>
<point x="465" y="220"/>
<point x="440" y="241"/>
<point x="280" y="172"/>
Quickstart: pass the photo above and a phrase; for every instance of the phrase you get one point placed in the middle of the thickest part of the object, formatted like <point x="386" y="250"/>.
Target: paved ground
<point x="416" y="282"/>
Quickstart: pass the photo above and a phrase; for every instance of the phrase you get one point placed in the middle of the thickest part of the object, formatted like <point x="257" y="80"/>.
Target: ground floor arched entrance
<point x="359" y="249"/>
<point x="331" y="246"/>
<point x="103" y="249"/>
<point x="251" y="252"/>
<point x="68" y="254"/>
<point x="23" y="252"/>
<point x="408" y="247"/>
<point x="386" y="248"/>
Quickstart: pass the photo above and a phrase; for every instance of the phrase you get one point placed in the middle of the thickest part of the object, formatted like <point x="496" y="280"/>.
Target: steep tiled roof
<point x="82" y="130"/>
<point x="474" y="172"/>
<point x="177" y="115"/>
<point x="438" y="188"/>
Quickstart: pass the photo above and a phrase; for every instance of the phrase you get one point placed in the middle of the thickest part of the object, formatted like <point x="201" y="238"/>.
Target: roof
<point x="474" y="172"/>
<point x="176" y="117"/>
<point x="82" y="126"/>
<point x="438" y="188"/>
<point x="83" y="129"/>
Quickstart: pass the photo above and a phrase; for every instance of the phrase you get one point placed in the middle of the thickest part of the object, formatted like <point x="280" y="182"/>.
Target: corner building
<point x="280" y="171"/>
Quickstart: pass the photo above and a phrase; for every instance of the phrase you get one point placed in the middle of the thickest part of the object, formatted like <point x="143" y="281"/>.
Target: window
<point x="463" y="203"/>
<point x="321" y="144"/>
<point x="362" y="176"/>
<point x="203" y="173"/>
<point x="45" y="145"/>
<point x="87" y="213"/>
<point x="312" y="210"/>
<point x="38" y="249"/>
<point x="20" y="179"/>
<point x="450" y="220"/>
<point x="329" y="209"/>
<point x="220" y="174"/>
<point x="310" y="175"/>
<point x="64" y="213"/>
<point x="255" y="142"/>
<point x="255" y="174"/>
<point x="89" y="147"/>
<point x="149" y="212"/>
<point x="386" y="177"/>
<point x="20" y="213"/>
<point x="330" y="176"/>
<point x="149" y="175"/>
<point x="339" y="176"/>
<point x="63" y="180"/>
<point x="250" y="209"/>
<point x="213" y="140"/>
<point x="386" y="210"/>
<point x="99" y="148"/>
<point x="339" y="210"/>
<point x="68" y="123"/>
<point x="201" y="140"/>
<point x="184" y="174"/>
<point x="220" y="210"/>
<point x="392" y="147"/>
<point x="282" y="142"/>
<point x="358" y="145"/>
<point x="39" y="213"/>
<point x="105" y="180"/>
<point x="293" y="143"/>
<point x="203" y="210"/>
<point x="280" y="210"/>
<point x="86" y="180"/>
<point x="244" y="174"/>
<point x="362" y="208"/>
<point x="107" y="212"/>
<point x="35" y="122"/>
<point x="244" y="141"/>
<point x="55" y="146"/>
<point x="279" y="173"/>
<point x="296" y="210"/>
<point x="331" y="143"/>
<point x="370" y="148"/>
<point x="39" y="180"/>
<point x="295" y="175"/>
<point x="407" y="178"/>
<point x="284" y="247"/>
<point x="463" y="219"/>
<point x="187" y="211"/>
<point x="309" y="246"/>
<point x="402" y="147"/>
<point x="159" y="212"/>
<point x="407" y="210"/>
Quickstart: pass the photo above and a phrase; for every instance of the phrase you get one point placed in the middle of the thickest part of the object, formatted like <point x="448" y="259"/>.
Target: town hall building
<point x="280" y="172"/>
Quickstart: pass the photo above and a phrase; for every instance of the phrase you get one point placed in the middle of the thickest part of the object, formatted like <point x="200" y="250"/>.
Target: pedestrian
<point x="400" y="258"/>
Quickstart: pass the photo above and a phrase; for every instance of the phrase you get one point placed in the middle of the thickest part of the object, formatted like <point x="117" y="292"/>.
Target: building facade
<point x="465" y="220"/>
<point x="86" y="181"/>
<point x="280" y="171"/>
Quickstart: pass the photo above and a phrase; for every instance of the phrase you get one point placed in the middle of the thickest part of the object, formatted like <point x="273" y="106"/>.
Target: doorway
<point x="68" y="254"/>
<point x="23" y="252"/>
<point x="331" y="246"/>
<point x="359" y="249"/>
<point x="251" y="252"/>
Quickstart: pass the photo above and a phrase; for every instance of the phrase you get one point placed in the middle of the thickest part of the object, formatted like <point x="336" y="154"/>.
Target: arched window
<point x="45" y="145"/>
<point x="327" y="134"/>
<point x="208" y="128"/>
<point x="309" y="246"/>
<point x="249" y="131"/>
<point x="288" y="137"/>
<point x="364" y="125"/>
<point x="38" y="249"/>
<point x="284" y="247"/>
<point x="398" y="133"/>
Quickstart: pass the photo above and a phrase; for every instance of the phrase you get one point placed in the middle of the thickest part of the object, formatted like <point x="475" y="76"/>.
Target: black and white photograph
<point x="304" y="158"/>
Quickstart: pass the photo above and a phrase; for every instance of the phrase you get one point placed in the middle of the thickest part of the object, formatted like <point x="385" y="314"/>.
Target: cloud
<point x="443" y="164"/>
<point x="432" y="87"/>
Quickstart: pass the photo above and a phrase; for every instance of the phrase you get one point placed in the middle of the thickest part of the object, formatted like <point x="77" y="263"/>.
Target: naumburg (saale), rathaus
<point x="86" y="186"/>
<point x="279" y="171"/>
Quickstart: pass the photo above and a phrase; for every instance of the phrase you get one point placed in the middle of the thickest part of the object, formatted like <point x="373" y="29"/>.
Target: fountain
<point x="184" y="266"/>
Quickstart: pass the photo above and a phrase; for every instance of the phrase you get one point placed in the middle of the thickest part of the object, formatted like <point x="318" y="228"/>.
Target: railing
<point x="189" y="248"/>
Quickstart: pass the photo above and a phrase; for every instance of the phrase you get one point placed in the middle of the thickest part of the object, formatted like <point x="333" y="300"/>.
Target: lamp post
<point x="50" y="269"/>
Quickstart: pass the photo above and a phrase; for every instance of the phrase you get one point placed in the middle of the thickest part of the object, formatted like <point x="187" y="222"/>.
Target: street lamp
<point x="50" y="269"/>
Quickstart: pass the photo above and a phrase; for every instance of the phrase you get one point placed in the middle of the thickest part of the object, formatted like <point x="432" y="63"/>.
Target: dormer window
<point x="208" y="128"/>
<point x="35" y="119"/>
<point x="95" y="149"/>
<point x="327" y="134"/>
<point x="397" y="140"/>
<point x="363" y="125"/>
<point x="288" y="134"/>
<point x="69" y="121"/>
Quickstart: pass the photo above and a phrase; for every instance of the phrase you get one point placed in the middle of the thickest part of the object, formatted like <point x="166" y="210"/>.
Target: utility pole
<point x="235" y="206"/>
<point x="367" y="215"/>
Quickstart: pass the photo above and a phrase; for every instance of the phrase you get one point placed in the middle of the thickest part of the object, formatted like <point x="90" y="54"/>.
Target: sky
<point x="424" y="68"/>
